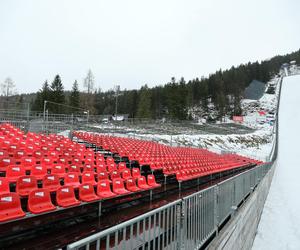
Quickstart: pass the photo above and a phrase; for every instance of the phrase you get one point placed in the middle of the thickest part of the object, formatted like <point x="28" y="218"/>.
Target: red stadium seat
<point x="13" y="172"/>
<point x="126" y="174"/>
<point x="87" y="193"/>
<point x="39" y="171"/>
<point x="59" y="170"/>
<point x="131" y="185"/>
<point x="51" y="182"/>
<point x="28" y="162"/>
<point x="122" y="166"/>
<point x="19" y="154"/>
<point x="103" y="176"/>
<point x="136" y="173"/>
<point x="88" y="168"/>
<point x="72" y="179"/>
<point x="25" y="184"/>
<point x="4" y="185"/>
<point x="141" y="183"/>
<point x="5" y="162"/>
<point x="114" y="175"/>
<point x="118" y="187"/>
<point x="151" y="181"/>
<point x="104" y="191"/>
<point x="88" y="178"/>
<point x="101" y="167"/>
<point x="65" y="197"/>
<point x="111" y="167"/>
<point x="74" y="168"/>
<point x="10" y="207"/>
<point x="39" y="201"/>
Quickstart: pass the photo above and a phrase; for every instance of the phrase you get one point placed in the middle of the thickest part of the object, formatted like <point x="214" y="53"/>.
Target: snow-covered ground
<point x="279" y="226"/>
<point x="255" y="139"/>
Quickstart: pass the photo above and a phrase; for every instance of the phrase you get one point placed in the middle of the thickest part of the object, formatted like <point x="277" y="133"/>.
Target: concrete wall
<point x="240" y="231"/>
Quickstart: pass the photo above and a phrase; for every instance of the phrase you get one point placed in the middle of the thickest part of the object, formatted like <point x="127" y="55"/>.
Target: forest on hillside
<point x="179" y="99"/>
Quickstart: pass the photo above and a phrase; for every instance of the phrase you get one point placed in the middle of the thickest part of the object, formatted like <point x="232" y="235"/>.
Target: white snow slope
<point x="279" y="227"/>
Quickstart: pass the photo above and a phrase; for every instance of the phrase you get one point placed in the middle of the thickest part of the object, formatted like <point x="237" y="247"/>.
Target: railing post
<point x="216" y="206"/>
<point x="181" y="229"/>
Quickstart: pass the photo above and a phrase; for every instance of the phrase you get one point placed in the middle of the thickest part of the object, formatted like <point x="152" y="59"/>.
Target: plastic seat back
<point x="5" y="162"/>
<point x="118" y="186"/>
<point x="101" y="167"/>
<point x="39" y="201"/>
<point x="74" y="168"/>
<point x="28" y="161"/>
<point x="39" y="171"/>
<point x="65" y="197"/>
<point x="71" y="179"/>
<point x="59" y="170"/>
<point x="10" y="207"/>
<point x="4" y="185"/>
<point x="19" y="154"/>
<point x="87" y="193"/>
<point x="88" y="177"/>
<point x="13" y="172"/>
<point x="122" y="166"/>
<point x="103" y="176"/>
<point x="88" y="168"/>
<point x="131" y="185"/>
<point x="136" y="173"/>
<point x="25" y="184"/>
<point x="111" y="167"/>
<point x="51" y="182"/>
<point x="114" y="175"/>
<point x="151" y="181"/>
<point x="104" y="190"/>
<point x="126" y="174"/>
<point x="141" y="182"/>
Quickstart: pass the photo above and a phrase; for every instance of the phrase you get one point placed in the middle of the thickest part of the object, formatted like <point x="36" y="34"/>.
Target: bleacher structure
<point x="43" y="174"/>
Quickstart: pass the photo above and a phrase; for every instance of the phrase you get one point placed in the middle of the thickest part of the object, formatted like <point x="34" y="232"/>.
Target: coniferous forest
<point x="178" y="99"/>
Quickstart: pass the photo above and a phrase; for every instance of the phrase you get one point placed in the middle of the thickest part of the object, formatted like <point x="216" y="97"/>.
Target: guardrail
<point x="187" y="223"/>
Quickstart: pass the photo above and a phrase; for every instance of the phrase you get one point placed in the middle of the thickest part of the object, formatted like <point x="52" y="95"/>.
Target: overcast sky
<point x="134" y="42"/>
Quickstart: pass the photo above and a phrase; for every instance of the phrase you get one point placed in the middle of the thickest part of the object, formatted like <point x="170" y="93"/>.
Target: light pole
<point x="45" y="104"/>
<point x="117" y="94"/>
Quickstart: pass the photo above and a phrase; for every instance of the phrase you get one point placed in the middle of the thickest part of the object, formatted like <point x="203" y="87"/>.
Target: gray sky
<point x="134" y="42"/>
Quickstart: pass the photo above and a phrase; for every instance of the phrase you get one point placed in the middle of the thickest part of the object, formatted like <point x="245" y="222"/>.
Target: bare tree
<point x="8" y="87"/>
<point x="89" y="82"/>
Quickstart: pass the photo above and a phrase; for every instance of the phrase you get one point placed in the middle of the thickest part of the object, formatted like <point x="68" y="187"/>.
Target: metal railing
<point x="187" y="223"/>
<point x="157" y="229"/>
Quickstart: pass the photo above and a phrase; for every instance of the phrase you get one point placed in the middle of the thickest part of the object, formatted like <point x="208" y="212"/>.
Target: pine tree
<point x="74" y="99"/>
<point x="57" y="95"/>
<point x="144" y="105"/>
<point x="42" y="95"/>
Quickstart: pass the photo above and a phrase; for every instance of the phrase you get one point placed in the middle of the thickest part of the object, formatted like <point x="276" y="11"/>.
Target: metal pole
<point x="45" y="103"/>
<point x="44" y="114"/>
<point x="28" y="111"/>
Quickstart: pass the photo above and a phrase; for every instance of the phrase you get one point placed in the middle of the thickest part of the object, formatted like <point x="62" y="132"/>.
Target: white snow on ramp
<point x="279" y="227"/>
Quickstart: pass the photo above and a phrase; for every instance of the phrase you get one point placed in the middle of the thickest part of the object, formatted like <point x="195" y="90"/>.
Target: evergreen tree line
<point x="177" y="99"/>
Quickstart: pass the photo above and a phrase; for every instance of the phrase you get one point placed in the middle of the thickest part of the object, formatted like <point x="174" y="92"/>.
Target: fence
<point x="187" y="223"/>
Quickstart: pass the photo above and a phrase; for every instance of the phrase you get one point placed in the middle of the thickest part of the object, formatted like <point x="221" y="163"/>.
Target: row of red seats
<point x="25" y="184"/>
<point x="48" y="161"/>
<point x="39" y="199"/>
<point x="39" y="171"/>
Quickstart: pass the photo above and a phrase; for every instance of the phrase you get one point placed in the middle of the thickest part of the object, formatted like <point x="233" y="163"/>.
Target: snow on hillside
<point x="254" y="140"/>
<point x="257" y="144"/>
<point x="279" y="225"/>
